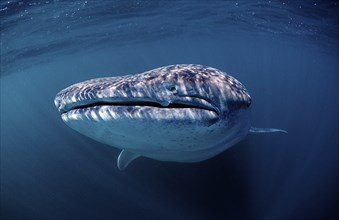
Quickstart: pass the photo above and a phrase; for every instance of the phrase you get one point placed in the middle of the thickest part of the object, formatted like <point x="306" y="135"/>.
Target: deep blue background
<point x="285" y="53"/>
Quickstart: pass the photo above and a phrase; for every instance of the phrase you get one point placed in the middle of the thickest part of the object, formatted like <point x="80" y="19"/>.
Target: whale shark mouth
<point x="181" y="105"/>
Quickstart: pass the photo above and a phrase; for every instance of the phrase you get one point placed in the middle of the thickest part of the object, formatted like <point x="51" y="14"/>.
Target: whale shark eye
<point x="173" y="89"/>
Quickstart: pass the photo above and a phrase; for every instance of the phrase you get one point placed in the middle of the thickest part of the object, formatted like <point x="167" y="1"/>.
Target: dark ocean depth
<point x="286" y="53"/>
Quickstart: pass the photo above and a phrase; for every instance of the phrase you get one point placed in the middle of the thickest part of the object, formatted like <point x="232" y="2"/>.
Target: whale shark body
<point x="181" y="113"/>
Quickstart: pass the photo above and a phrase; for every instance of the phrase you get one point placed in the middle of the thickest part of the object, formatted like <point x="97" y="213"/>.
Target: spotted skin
<point x="182" y="113"/>
<point x="190" y="79"/>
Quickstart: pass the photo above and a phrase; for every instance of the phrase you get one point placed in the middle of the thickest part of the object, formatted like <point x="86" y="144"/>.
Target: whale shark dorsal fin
<point x="266" y="130"/>
<point x="125" y="158"/>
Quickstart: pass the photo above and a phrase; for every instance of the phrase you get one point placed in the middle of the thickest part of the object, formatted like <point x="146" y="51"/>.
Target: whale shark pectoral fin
<point x="266" y="130"/>
<point x="125" y="158"/>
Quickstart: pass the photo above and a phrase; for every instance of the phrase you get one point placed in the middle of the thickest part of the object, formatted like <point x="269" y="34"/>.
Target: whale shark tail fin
<point x="125" y="158"/>
<point x="266" y="130"/>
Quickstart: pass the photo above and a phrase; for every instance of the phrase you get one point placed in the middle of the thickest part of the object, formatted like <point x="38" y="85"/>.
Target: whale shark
<point x="180" y="113"/>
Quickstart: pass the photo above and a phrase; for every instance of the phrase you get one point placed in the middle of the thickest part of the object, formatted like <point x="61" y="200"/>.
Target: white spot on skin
<point x="94" y="116"/>
<point x="113" y="114"/>
<point x="64" y="117"/>
<point x="74" y="99"/>
<point x="191" y="114"/>
<point x="139" y="115"/>
<point x="104" y="115"/>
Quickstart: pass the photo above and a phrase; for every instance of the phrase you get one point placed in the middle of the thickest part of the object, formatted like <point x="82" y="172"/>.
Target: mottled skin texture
<point x="158" y="85"/>
<point x="183" y="113"/>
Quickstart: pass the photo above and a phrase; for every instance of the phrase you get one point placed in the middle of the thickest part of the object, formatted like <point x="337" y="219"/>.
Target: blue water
<point x="285" y="52"/>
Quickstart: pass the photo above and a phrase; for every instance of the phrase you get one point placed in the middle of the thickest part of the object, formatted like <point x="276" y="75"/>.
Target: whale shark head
<point x="183" y="113"/>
